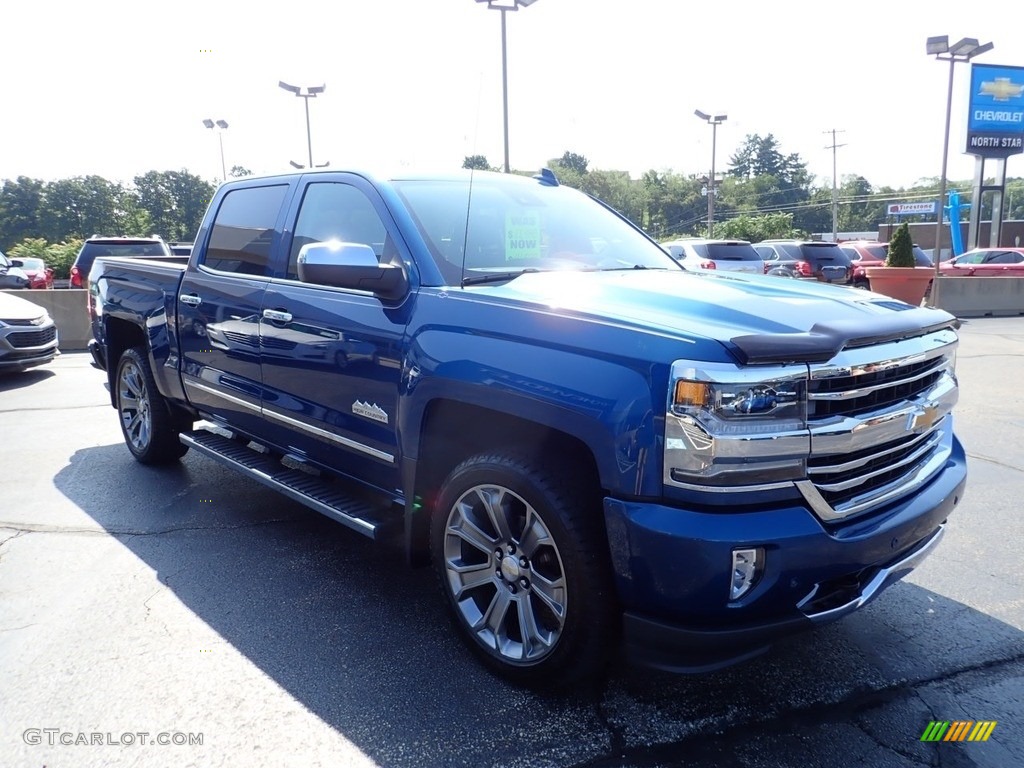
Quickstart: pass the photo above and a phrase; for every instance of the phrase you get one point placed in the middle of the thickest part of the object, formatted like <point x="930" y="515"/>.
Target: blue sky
<point x="119" y="88"/>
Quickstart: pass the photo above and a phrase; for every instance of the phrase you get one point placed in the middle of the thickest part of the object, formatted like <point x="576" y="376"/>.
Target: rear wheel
<point x="146" y="419"/>
<point x="524" y="566"/>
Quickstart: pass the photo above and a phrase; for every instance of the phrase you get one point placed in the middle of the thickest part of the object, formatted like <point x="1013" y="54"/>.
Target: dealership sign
<point x="995" y="120"/>
<point x="911" y="209"/>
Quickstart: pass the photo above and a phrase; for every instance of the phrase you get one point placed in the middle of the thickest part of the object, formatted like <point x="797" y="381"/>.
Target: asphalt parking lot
<point x="189" y="605"/>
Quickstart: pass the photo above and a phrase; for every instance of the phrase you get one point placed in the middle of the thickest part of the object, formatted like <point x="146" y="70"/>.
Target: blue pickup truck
<point x="597" y="451"/>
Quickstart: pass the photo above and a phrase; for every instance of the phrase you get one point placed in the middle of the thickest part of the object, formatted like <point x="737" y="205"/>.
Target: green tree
<point x="769" y="181"/>
<point x="616" y="190"/>
<point x="672" y="203"/>
<point x="82" y="206"/>
<point x="476" y="163"/>
<point x="20" y="204"/>
<point x="30" y="247"/>
<point x="58" y="256"/>
<point x="756" y="228"/>
<point x="573" y="162"/>
<point x="175" y="202"/>
<point x="238" y="171"/>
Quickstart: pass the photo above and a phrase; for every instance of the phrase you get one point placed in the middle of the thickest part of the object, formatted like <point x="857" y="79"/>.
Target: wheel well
<point x="453" y="431"/>
<point x="120" y="335"/>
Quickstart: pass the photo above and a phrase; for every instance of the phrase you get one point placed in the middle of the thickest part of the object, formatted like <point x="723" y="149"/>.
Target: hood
<point x="760" y="319"/>
<point x="15" y="308"/>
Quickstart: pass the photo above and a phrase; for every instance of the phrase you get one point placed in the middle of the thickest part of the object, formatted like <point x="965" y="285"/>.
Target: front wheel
<point x="146" y="420"/>
<point x="523" y="562"/>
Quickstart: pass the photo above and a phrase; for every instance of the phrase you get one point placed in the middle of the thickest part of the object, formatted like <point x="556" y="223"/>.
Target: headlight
<point x="733" y="427"/>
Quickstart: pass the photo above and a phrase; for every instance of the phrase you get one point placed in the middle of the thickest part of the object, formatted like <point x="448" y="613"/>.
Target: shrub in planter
<point x="901" y="248"/>
<point x="900" y="278"/>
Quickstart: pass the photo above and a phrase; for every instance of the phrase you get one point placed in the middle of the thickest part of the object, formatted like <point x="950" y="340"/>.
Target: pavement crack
<point x="25" y="528"/>
<point x="54" y="408"/>
<point x="15" y="629"/>
<point x="988" y="459"/>
<point x="701" y="745"/>
<point x="864" y="728"/>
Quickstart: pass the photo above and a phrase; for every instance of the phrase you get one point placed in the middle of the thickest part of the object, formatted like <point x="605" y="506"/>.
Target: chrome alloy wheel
<point x="505" y="574"/>
<point x="134" y="405"/>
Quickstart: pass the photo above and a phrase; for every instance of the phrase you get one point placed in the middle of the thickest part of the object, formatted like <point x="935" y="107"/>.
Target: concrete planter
<point x="907" y="284"/>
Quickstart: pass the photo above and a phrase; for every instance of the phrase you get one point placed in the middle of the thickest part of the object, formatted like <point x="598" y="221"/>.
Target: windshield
<point x="31" y="263"/>
<point x="506" y="225"/>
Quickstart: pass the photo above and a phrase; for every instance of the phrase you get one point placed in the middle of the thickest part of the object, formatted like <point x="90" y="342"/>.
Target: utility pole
<point x="835" y="184"/>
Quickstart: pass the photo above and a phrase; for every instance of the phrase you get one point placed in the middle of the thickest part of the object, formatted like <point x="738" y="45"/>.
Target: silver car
<point x="10" y="275"/>
<point x="717" y="255"/>
<point x="28" y="335"/>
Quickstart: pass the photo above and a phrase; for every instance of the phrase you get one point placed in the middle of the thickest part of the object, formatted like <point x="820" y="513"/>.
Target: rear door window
<point x="243" y="233"/>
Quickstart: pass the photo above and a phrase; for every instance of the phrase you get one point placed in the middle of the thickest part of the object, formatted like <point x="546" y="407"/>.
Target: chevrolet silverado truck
<point x="598" y="452"/>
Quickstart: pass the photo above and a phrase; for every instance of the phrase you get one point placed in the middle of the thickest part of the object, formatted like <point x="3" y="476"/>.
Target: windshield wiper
<point x="496" y="277"/>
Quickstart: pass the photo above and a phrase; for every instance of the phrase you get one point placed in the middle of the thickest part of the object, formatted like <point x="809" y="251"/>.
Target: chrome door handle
<point x="277" y="315"/>
<point x="191" y="299"/>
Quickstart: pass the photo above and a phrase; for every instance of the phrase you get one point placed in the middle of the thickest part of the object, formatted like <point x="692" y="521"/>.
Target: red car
<point x="986" y="262"/>
<point x="39" y="275"/>
<point x="872" y="253"/>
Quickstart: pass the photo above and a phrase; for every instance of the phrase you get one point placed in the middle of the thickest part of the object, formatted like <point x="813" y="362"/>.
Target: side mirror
<point x="350" y="265"/>
<point x="17" y="263"/>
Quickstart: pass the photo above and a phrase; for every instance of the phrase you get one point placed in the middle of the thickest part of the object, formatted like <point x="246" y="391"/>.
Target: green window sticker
<point x="522" y="236"/>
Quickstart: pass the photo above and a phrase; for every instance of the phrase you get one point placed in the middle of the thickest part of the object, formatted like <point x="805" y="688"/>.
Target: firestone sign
<point x="995" y="121"/>
<point x="910" y="209"/>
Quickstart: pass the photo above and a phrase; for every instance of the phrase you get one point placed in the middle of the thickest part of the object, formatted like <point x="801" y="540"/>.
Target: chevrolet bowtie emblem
<point x="1001" y="89"/>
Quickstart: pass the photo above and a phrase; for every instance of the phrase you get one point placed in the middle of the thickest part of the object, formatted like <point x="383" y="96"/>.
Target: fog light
<point x="747" y="565"/>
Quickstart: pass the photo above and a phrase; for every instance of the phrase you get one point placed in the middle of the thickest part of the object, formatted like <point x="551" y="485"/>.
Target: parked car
<point x="986" y="262"/>
<point x="28" y="335"/>
<point x="720" y="255"/>
<point x="11" y="276"/>
<point x="872" y="253"/>
<point x="39" y="275"/>
<point x="805" y="259"/>
<point x="137" y="247"/>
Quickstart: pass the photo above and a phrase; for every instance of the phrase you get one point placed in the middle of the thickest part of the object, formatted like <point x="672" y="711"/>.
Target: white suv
<point x="718" y="255"/>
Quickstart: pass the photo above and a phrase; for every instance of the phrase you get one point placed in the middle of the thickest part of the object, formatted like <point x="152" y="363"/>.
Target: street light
<point x="310" y="92"/>
<point x="222" y="125"/>
<point x="714" y="121"/>
<point x="503" y="6"/>
<point x="962" y="50"/>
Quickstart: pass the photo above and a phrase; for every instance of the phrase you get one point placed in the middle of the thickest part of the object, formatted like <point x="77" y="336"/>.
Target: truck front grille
<point x="856" y="394"/>
<point x="880" y="424"/>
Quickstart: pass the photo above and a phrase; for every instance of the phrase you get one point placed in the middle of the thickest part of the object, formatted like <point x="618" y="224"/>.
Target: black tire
<point x="862" y="285"/>
<point x="552" y="583"/>
<point x="147" y="423"/>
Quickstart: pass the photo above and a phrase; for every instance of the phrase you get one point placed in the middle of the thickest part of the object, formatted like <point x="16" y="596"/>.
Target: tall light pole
<point x="963" y="50"/>
<point x="222" y="126"/>
<point x="714" y="121"/>
<point x="503" y="6"/>
<point x="307" y="93"/>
